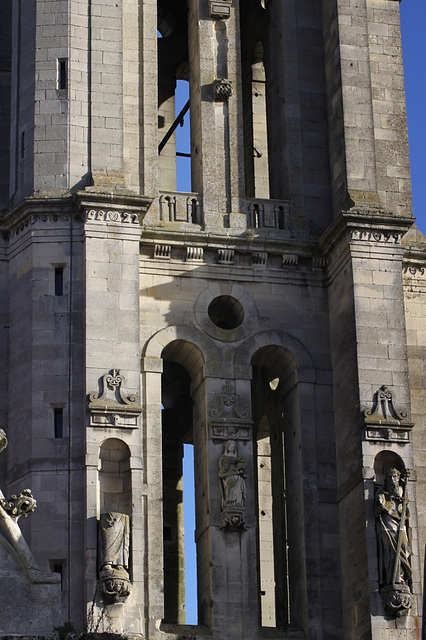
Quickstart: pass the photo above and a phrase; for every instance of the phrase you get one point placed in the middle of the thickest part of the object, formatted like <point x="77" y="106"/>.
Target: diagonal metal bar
<point x="173" y="128"/>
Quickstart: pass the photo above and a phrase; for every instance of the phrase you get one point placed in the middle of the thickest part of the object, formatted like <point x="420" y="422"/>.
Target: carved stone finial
<point x="20" y="505"/>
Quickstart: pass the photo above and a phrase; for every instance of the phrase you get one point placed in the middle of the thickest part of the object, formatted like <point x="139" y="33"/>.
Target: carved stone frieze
<point x="374" y="235"/>
<point x="227" y="432"/>
<point x="416" y="271"/>
<point x="384" y="422"/>
<point x="113" y="407"/>
<point x="36" y="219"/>
<point x="106" y="215"/>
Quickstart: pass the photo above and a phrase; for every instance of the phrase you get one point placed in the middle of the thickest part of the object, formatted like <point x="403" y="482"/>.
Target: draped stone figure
<point x="114" y="535"/>
<point x="392" y="517"/>
<point x="232" y="474"/>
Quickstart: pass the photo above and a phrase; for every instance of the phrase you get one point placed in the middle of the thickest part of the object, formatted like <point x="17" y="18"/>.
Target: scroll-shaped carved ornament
<point x="114" y="534"/>
<point x="113" y="407"/>
<point x="229" y="402"/>
<point x="393" y="533"/>
<point x="232" y="474"/>
<point x="384" y="422"/>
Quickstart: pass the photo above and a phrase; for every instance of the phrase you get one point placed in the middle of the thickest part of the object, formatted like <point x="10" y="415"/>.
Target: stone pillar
<point x="368" y="340"/>
<point x="216" y="112"/>
<point x="111" y="243"/>
<point x="229" y="527"/>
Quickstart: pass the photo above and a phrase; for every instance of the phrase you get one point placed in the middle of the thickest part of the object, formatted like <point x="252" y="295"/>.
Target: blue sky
<point x="413" y="26"/>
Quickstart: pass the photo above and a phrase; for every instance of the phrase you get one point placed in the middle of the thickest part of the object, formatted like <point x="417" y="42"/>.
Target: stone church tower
<point x="273" y="317"/>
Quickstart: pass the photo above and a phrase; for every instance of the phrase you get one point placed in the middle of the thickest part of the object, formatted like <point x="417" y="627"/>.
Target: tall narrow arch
<point x="281" y="536"/>
<point x="182" y="400"/>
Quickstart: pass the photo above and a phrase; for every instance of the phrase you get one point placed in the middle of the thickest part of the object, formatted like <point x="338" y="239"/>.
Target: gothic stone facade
<point x="273" y="317"/>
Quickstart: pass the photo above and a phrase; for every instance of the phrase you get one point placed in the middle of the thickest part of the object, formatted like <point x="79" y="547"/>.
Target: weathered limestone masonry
<point x="272" y="319"/>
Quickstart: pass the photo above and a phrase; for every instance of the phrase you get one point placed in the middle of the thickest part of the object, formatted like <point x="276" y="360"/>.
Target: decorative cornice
<point x="111" y="207"/>
<point x="29" y="210"/>
<point x="101" y="215"/>
<point x="365" y="227"/>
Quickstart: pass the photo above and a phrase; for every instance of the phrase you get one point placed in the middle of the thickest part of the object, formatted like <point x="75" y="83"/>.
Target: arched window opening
<point x="183" y="137"/>
<point x="191" y="601"/>
<point x="280" y="532"/>
<point x="177" y="430"/>
<point x="259" y="124"/>
<point x="174" y="153"/>
<point x="263" y="87"/>
<point x="180" y="574"/>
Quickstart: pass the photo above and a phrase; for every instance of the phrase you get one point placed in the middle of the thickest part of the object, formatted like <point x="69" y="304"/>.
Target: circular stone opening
<point x="226" y="312"/>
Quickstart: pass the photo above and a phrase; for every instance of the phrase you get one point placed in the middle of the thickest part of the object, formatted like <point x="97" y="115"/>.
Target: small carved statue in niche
<point x="392" y="516"/>
<point x="232" y="474"/>
<point x="114" y="534"/>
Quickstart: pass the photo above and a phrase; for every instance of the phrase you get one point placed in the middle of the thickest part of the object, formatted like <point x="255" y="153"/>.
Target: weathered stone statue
<point x="114" y="535"/>
<point x="232" y="474"/>
<point x="392" y="514"/>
